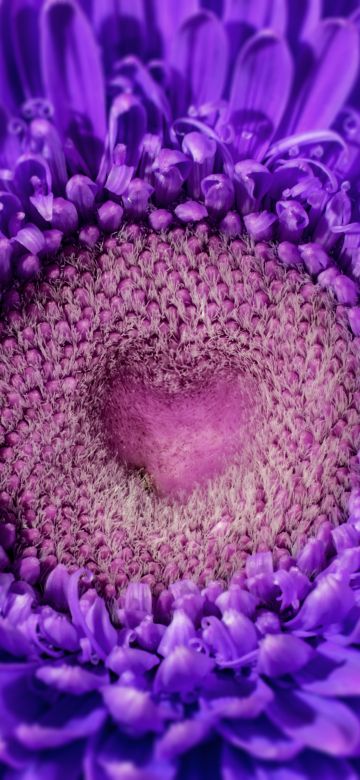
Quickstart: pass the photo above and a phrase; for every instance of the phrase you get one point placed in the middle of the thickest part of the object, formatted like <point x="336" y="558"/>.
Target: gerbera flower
<point x="180" y="485"/>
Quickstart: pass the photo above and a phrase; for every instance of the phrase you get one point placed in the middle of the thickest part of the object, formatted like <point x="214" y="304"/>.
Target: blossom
<point x="179" y="200"/>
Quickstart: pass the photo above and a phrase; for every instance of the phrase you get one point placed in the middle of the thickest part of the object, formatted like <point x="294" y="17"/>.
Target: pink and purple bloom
<point x="179" y="384"/>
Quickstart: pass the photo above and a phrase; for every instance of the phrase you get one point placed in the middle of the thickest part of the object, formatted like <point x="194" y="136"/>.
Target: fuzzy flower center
<point x="181" y="438"/>
<point x="171" y="404"/>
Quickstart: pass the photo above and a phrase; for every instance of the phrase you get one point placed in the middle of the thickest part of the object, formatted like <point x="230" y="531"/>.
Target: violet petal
<point x="328" y="603"/>
<point x="72" y="69"/>
<point x="260" y="89"/>
<point x="133" y="709"/>
<point x="199" y="43"/>
<point x="316" y="722"/>
<point x="281" y="654"/>
<point x="174" y="676"/>
<point x="334" y="42"/>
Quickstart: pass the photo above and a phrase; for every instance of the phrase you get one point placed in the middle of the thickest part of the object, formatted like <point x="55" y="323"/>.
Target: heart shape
<point x="181" y="439"/>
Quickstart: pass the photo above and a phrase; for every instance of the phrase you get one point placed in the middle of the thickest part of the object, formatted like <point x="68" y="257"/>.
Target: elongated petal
<point x="42" y="736"/>
<point x="328" y="83"/>
<point x="303" y="18"/>
<point x="335" y="671"/>
<point x="72" y="69"/>
<point x="56" y="587"/>
<point x="316" y="722"/>
<point x="262" y="13"/>
<point x="169" y="17"/>
<point x="200" y="43"/>
<point x="71" y="679"/>
<point x="261" y="84"/>
<point x="127" y="125"/>
<point x="25" y="21"/>
<point x="181" y="737"/>
<point x="329" y="602"/>
<point x="119" y="27"/>
<point x="262" y="739"/>
<point x="242" y="707"/>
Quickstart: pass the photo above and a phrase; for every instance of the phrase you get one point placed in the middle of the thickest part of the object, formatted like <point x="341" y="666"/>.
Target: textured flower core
<point x="172" y="403"/>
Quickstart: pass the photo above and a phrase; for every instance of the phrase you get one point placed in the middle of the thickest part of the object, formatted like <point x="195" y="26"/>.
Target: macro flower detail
<point x="179" y="427"/>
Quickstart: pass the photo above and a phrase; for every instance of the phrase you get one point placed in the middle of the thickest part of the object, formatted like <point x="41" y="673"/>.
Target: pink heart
<point x="181" y="439"/>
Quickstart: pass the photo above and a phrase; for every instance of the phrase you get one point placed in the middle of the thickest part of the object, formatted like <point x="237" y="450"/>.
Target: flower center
<point x="182" y="438"/>
<point x="172" y="404"/>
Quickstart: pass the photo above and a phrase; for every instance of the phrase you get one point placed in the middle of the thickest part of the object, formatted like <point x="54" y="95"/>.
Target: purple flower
<point x="179" y="267"/>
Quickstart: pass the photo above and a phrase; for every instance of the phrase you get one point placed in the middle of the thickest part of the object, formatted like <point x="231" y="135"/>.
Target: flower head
<point x="179" y="265"/>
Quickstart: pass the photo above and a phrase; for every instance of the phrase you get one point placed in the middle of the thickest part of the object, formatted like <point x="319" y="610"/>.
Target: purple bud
<point x="109" y="216"/>
<point x="260" y="225"/>
<point x="65" y="216"/>
<point x="293" y="219"/>
<point x="191" y="211"/>
<point x="218" y="191"/>
<point x="289" y="254"/>
<point x="81" y="191"/>
<point x="268" y="623"/>
<point x="252" y="181"/>
<point x="346" y="291"/>
<point x="354" y="320"/>
<point x="52" y="239"/>
<point x="89" y="235"/>
<point x="136" y="200"/>
<point x="160" y="219"/>
<point x="7" y="535"/>
<point x="29" y="570"/>
<point x="231" y="225"/>
<point x="327" y="278"/>
<point x="314" y="257"/>
<point x="28" y="266"/>
<point x="171" y="168"/>
<point x="354" y="503"/>
<point x="202" y="149"/>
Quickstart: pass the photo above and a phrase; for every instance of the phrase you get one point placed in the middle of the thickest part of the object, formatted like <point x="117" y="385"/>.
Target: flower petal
<point x="181" y="737"/>
<point x="42" y="736"/>
<point x="72" y="71"/>
<point x="281" y="654"/>
<point x="182" y="671"/>
<point x="334" y="671"/>
<point x="260" y="88"/>
<point x="261" y="738"/>
<point x="179" y="633"/>
<point x="328" y="82"/>
<point x="200" y="43"/>
<point x="328" y="726"/>
<point x="329" y="602"/>
<point x="71" y="679"/>
<point x="132" y="709"/>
